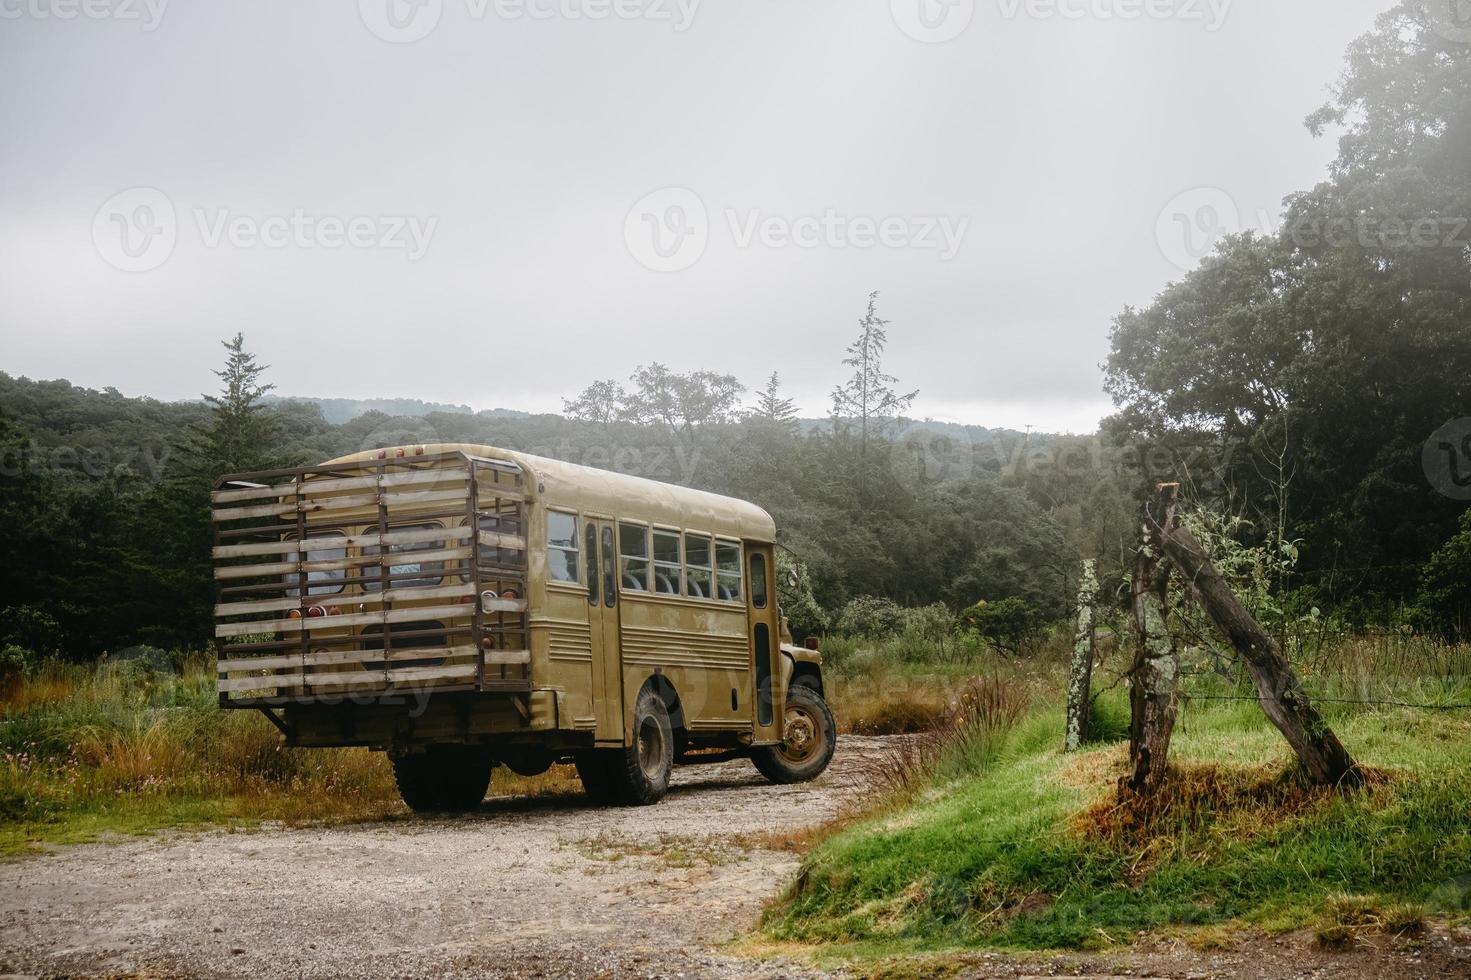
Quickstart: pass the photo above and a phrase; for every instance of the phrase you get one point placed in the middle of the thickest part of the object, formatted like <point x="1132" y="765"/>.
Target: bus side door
<point x="764" y="622"/>
<point x="607" y="667"/>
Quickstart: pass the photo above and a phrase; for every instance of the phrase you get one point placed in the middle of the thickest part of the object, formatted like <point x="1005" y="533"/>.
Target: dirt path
<point x="548" y="887"/>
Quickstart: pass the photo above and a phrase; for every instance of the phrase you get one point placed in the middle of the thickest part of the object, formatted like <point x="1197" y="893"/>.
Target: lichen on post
<point x="1080" y="678"/>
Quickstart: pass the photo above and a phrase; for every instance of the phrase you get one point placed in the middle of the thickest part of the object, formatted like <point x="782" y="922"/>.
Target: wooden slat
<point x="332" y="622"/>
<point x="508" y="656"/>
<point x="339" y="484"/>
<point x="408" y="499"/>
<point x="440" y="672"/>
<point x="342" y="564"/>
<point x="495" y="539"/>
<point x="416" y="536"/>
<point x="503" y="605"/>
<point x="318" y="658"/>
<point x="417" y="497"/>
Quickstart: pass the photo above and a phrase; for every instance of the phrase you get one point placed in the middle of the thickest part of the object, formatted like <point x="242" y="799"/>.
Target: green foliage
<point x="1010" y="625"/>
<point x="872" y="617"/>
<point x="30" y="628"/>
<point x="1445" y="583"/>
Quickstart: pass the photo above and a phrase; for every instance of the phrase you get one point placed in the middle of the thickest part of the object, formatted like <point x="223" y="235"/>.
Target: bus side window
<point x="592" y="565"/>
<point x="758" y="581"/>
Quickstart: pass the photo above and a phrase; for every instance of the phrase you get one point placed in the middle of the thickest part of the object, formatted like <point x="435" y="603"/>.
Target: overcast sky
<point x="494" y="202"/>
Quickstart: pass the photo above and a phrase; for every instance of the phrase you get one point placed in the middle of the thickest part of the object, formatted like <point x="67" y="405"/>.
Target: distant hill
<point x="339" y="410"/>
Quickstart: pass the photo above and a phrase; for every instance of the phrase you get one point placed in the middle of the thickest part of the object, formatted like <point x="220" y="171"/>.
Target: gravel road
<point x="525" y="887"/>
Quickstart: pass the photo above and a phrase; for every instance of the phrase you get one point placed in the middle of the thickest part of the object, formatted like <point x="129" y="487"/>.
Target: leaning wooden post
<point x="1155" y="674"/>
<point x="1080" y="678"/>
<point x="1323" y="757"/>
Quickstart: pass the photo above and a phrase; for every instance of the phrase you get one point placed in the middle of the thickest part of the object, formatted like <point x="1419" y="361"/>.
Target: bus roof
<point x="606" y="493"/>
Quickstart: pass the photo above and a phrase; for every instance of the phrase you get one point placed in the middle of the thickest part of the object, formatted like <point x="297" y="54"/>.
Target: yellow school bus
<point x="463" y="607"/>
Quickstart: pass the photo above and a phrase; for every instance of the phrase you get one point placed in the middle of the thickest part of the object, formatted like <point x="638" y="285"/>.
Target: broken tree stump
<point x="1080" y="677"/>
<point x="1322" y="756"/>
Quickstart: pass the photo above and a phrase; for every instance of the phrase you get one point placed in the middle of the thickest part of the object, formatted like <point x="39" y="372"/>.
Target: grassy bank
<point x="131" y="748"/>
<point x="1023" y="847"/>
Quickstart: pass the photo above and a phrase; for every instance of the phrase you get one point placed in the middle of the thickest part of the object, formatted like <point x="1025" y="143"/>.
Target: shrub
<point x="1009" y="625"/>
<point x="871" y="616"/>
<point x="31" y="629"/>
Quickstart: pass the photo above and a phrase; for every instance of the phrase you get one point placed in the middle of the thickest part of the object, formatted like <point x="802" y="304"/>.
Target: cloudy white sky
<point x="495" y="202"/>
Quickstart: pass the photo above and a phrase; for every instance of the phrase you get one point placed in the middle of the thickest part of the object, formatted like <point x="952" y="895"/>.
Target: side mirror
<point x="792" y="580"/>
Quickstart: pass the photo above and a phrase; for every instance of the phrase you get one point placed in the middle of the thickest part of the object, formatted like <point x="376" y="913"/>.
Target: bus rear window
<point x="431" y="573"/>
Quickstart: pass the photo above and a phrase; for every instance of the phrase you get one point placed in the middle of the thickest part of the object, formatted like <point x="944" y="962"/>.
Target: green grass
<point x="88" y="752"/>
<point x="1031" y="851"/>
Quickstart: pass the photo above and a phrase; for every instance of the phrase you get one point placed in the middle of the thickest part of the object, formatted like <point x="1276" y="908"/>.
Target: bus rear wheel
<point x="443" y="778"/>
<point x="809" y="737"/>
<point x="638" y="774"/>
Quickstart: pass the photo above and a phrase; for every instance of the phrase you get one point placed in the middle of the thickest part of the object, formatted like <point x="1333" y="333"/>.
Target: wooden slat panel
<point x="318" y="658"/>
<point x="508" y="656"/>
<point x="339" y="484"/>
<point x="397" y="675"/>
<point x="331" y="622"/>
<point x="417" y="536"/>
<point x="495" y="539"/>
<point x="259" y="510"/>
<point x="503" y="605"/>
<point x="342" y="564"/>
<point x="415" y="498"/>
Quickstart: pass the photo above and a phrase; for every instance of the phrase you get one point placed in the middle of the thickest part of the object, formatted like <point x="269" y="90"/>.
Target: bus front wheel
<point x="809" y="737"/>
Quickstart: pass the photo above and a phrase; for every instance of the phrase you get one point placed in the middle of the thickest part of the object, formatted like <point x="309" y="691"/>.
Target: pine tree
<point x="868" y="398"/>
<point x="773" y="409"/>
<point x="242" y="431"/>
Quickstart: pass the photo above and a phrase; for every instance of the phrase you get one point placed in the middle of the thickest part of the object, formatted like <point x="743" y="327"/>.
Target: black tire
<point x="444" y="778"/>
<point x="595" y="770"/>
<point x="637" y="775"/>
<point x="810" y="738"/>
